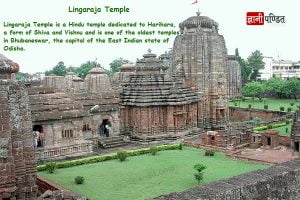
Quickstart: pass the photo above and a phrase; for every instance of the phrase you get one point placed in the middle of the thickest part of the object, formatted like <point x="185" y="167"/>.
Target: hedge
<point x="101" y="158"/>
<point x="263" y="128"/>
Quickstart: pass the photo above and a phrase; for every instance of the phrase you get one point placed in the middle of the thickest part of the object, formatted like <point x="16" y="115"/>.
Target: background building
<point x="279" y="68"/>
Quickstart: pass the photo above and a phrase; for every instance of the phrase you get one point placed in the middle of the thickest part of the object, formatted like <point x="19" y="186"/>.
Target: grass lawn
<point x="147" y="176"/>
<point x="282" y="130"/>
<point x="274" y="104"/>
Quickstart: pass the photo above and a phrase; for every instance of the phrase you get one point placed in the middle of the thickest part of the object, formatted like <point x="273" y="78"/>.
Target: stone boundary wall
<point x="244" y="114"/>
<point x="280" y="181"/>
<point x="285" y="141"/>
<point x="46" y="185"/>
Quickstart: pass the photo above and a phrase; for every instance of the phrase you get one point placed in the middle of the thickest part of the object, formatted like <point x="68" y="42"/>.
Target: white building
<point x="279" y="68"/>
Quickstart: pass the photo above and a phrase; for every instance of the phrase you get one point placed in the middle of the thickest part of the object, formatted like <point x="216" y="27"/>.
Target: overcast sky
<point x="271" y="39"/>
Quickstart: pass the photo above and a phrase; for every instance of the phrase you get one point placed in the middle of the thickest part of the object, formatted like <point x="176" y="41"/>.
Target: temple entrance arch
<point x="106" y="126"/>
<point x="39" y="135"/>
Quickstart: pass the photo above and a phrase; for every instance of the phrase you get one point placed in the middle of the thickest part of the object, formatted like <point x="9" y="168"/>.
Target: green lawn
<point x="274" y="104"/>
<point x="147" y="176"/>
<point x="282" y="130"/>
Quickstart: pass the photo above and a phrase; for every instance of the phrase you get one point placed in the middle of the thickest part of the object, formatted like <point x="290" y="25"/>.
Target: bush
<point x="287" y="122"/>
<point x="269" y="126"/>
<point x="102" y="158"/>
<point x="281" y="108"/>
<point x="199" y="175"/>
<point x="51" y="167"/>
<point x="79" y="179"/>
<point x="266" y="106"/>
<point x="289" y="109"/>
<point x="249" y="106"/>
<point x="286" y="130"/>
<point x="153" y="150"/>
<point x="180" y="146"/>
<point x="292" y="104"/>
<point x="122" y="155"/>
<point x="235" y="104"/>
<point x="209" y="152"/>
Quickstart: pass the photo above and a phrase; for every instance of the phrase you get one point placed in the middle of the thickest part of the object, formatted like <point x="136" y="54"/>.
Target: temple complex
<point x="200" y="58"/>
<point x="17" y="158"/>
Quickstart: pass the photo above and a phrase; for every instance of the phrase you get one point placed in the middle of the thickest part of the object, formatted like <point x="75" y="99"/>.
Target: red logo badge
<point x="255" y="18"/>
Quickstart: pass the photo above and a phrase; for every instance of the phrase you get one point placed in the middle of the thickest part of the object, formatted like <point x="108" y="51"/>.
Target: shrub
<point x="281" y="108"/>
<point x="199" y="175"/>
<point x="287" y="122"/>
<point x="266" y="106"/>
<point x="292" y="104"/>
<point x="122" y="155"/>
<point x="249" y="106"/>
<point x="180" y="146"/>
<point x="235" y="104"/>
<point x="102" y="158"/>
<point x="289" y="109"/>
<point x="79" y="179"/>
<point x="209" y="152"/>
<point x="51" y="167"/>
<point x="153" y="150"/>
<point x="286" y="130"/>
<point x="269" y="126"/>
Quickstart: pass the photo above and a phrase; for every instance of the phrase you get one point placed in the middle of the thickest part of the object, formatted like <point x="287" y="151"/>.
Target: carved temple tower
<point x="199" y="57"/>
<point x="17" y="157"/>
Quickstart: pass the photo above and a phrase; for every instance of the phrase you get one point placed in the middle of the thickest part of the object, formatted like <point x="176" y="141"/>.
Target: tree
<point x="199" y="175"/>
<point x="115" y="65"/>
<point x="20" y="75"/>
<point x="59" y="69"/>
<point x="276" y="86"/>
<point x="245" y="71"/>
<point x="254" y="89"/>
<point x="84" y="68"/>
<point x="291" y="87"/>
<point x="255" y="63"/>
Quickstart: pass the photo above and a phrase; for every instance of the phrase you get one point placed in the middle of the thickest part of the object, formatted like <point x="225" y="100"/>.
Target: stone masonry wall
<point x="17" y="161"/>
<point x="244" y="114"/>
<point x="277" y="182"/>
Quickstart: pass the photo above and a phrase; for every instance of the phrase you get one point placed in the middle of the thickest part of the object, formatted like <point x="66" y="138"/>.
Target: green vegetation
<point x="61" y="69"/>
<point x="79" y="180"/>
<point x="283" y="128"/>
<point x="115" y="65"/>
<point x="273" y="104"/>
<point x="51" y="167"/>
<point x="148" y="176"/>
<point x="199" y="175"/>
<point x="95" y="159"/>
<point x="209" y="152"/>
<point x="122" y="155"/>
<point x="274" y="86"/>
<point x="154" y="150"/>
<point x="250" y="67"/>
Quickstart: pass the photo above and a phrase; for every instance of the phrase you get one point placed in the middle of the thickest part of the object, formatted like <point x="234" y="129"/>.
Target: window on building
<point x="67" y="133"/>
<point x="86" y="127"/>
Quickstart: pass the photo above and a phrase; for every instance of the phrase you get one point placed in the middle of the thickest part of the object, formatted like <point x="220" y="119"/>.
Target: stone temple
<point x="153" y="104"/>
<point x="200" y="56"/>
<point x="17" y="157"/>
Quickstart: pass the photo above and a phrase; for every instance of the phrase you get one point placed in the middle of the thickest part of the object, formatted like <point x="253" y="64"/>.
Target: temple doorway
<point x="269" y="141"/>
<point x="105" y="128"/>
<point x="39" y="135"/>
<point x="297" y="146"/>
